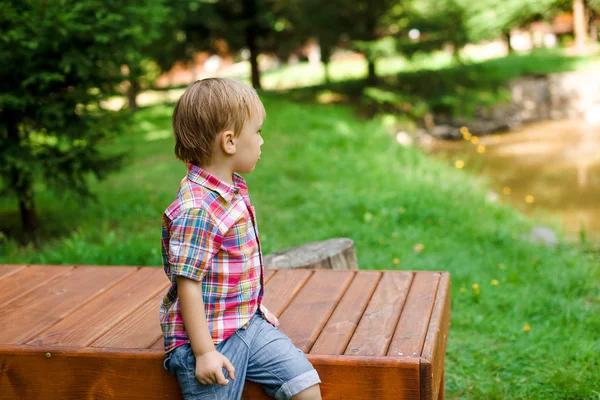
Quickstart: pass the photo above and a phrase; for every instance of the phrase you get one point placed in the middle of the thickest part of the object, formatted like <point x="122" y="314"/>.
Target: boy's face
<point x="248" y="146"/>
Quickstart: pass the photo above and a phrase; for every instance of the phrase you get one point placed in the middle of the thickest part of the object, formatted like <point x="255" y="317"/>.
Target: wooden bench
<point x="92" y="332"/>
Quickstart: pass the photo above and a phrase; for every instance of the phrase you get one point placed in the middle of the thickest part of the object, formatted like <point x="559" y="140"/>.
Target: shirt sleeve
<point x="194" y="241"/>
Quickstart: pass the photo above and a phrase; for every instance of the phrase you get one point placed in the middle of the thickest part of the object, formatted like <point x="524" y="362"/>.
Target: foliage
<point x="59" y="61"/>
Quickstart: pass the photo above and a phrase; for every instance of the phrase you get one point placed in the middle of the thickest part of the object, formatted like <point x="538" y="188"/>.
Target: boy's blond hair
<point x="208" y="107"/>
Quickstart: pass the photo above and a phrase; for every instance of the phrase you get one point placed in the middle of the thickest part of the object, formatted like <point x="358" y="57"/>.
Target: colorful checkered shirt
<point x="210" y="235"/>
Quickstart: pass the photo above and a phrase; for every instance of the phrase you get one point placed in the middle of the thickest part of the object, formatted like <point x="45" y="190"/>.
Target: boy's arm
<point x="193" y="241"/>
<point x="209" y="362"/>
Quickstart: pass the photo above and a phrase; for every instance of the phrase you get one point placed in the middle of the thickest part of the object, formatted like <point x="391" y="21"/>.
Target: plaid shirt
<point x="209" y="234"/>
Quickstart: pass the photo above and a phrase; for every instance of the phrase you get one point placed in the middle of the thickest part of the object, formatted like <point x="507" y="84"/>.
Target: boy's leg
<point x="182" y="364"/>
<point x="282" y="369"/>
<point x="312" y="393"/>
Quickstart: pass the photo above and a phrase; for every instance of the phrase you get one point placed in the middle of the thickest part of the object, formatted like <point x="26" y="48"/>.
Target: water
<point x="555" y="162"/>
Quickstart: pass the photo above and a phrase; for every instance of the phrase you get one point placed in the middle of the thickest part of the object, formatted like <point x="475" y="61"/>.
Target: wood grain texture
<point x="7" y="269"/>
<point x="282" y="289"/>
<point x="24" y="318"/>
<point x="269" y="273"/>
<point x="159" y="344"/>
<point x="336" y="334"/>
<point x="86" y="324"/>
<point x="306" y="315"/>
<point x="25" y="280"/>
<point x="318" y="310"/>
<point x="72" y="373"/>
<point x="434" y="349"/>
<point x="336" y="253"/>
<point x="412" y="327"/>
<point x="376" y="327"/>
<point x="139" y="330"/>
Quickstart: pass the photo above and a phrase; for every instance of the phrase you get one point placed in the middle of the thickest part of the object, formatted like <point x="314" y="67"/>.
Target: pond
<point x="551" y="166"/>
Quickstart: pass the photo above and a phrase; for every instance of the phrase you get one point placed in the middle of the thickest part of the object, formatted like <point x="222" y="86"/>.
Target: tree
<point x="59" y="61"/>
<point x="436" y="23"/>
<point x="160" y="54"/>
<point x="327" y="21"/>
<point x="369" y="19"/>
<point x="255" y="25"/>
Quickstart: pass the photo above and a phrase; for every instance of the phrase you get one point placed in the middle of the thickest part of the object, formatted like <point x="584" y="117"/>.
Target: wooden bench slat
<point x="376" y="327"/>
<point x="89" y="322"/>
<point x="25" y="280"/>
<point x="159" y="344"/>
<point x="29" y="315"/>
<point x="414" y="321"/>
<point x="343" y="322"/>
<point x="306" y="315"/>
<point x="7" y="270"/>
<point x="283" y="287"/>
<point x="138" y="375"/>
<point x="72" y="373"/>
<point x="269" y="273"/>
<point x="140" y="330"/>
<point x="318" y="309"/>
<point x="434" y="348"/>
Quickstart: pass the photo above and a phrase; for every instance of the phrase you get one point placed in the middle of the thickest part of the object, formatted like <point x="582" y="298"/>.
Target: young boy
<point x="212" y="317"/>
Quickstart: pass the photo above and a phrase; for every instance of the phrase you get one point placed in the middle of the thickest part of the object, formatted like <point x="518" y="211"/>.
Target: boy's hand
<point x="209" y="368"/>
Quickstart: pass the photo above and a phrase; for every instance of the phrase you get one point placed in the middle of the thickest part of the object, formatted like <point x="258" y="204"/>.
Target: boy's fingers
<point x="221" y="378"/>
<point x="229" y="367"/>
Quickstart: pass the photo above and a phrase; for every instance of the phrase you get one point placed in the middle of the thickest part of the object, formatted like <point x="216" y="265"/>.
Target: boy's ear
<point x="227" y="142"/>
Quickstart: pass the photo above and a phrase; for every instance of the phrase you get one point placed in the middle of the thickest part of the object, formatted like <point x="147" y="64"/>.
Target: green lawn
<point x="432" y="83"/>
<point x="325" y="173"/>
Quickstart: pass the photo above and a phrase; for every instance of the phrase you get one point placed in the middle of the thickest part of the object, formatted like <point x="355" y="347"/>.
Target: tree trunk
<point x="23" y="185"/>
<point x="456" y="54"/>
<point x="336" y="253"/>
<point x="506" y="35"/>
<point x="593" y="27"/>
<point x="580" y="24"/>
<point x="370" y="25"/>
<point x="325" y="57"/>
<point x="372" y="77"/>
<point x="326" y="71"/>
<point x="250" y="12"/>
<point x="132" y="92"/>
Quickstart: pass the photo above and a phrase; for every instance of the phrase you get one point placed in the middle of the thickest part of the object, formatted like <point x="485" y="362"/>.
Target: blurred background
<point x="441" y="135"/>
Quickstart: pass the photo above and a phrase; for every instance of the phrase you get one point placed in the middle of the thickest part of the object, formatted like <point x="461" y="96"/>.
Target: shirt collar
<point x="211" y="182"/>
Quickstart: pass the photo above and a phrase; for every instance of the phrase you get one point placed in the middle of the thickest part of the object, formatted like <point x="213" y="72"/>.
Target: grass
<point x="325" y="173"/>
<point x="438" y="85"/>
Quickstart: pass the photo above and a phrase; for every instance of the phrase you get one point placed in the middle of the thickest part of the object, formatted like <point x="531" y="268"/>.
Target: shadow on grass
<point x="454" y="91"/>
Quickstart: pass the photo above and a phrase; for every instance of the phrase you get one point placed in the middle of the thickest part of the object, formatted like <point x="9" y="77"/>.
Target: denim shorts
<point x="260" y="353"/>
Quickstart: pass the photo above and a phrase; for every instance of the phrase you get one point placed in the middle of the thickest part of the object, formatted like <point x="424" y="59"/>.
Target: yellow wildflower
<point x="481" y="149"/>
<point x="459" y="164"/>
<point x="526" y="328"/>
<point x="396" y="260"/>
<point x="506" y="190"/>
<point x="529" y="199"/>
<point x="495" y="282"/>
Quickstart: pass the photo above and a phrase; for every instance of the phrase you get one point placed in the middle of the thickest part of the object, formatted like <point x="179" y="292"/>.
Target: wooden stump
<point x="335" y="253"/>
